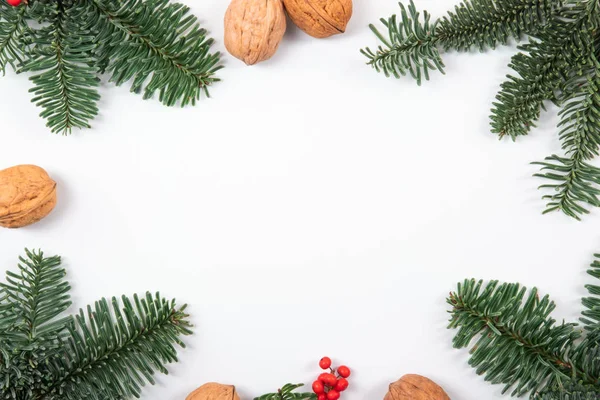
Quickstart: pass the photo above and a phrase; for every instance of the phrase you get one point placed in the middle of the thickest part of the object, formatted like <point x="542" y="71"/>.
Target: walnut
<point x="254" y="28"/>
<point x="27" y="194"/>
<point x="415" y="387"/>
<point x="320" y="18"/>
<point x="214" y="391"/>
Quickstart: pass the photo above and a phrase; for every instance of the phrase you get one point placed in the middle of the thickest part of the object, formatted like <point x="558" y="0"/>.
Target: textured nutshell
<point x="27" y="194"/>
<point x="415" y="387"/>
<point x="254" y="29"/>
<point x="320" y="18"/>
<point x="214" y="391"/>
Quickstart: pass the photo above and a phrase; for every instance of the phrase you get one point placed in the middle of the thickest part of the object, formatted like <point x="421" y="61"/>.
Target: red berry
<point x="343" y="371"/>
<point x="322" y="396"/>
<point x="328" y="379"/>
<point x="317" y="387"/>
<point x="14" y="3"/>
<point x="325" y="363"/>
<point x="333" y="395"/>
<point x="341" y="385"/>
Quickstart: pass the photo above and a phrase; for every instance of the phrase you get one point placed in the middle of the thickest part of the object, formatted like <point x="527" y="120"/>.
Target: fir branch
<point x="116" y="355"/>
<point x="567" y="362"/>
<point x="157" y="45"/>
<point x="66" y="84"/>
<point x="108" y="353"/>
<point x="487" y="23"/>
<point x="410" y="46"/>
<point x="519" y="344"/>
<point x="287" y="393"/>
<point x="569" y="391"/>
<point x="577" y="181"/>
<point x="13" y="27"/>
<point x="591" y="314"/>
<point x="543" y="67"/>
<point x="558" y="64"/>
<point x="33" y="300"/>
<point x="160" y="46"/>
<point x="38" y="294"/>
<point x="413" y="45"/>
<point x="587" y="353"/>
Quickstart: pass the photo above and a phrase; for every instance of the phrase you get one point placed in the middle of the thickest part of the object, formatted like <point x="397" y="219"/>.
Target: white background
<point x="311" y="207"/>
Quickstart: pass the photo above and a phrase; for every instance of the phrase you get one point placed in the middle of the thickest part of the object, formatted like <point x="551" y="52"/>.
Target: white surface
<point x="311" y="207"/>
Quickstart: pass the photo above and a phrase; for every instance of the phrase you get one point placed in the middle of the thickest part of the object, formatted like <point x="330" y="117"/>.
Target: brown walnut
<point x="214" y="391"/>
<point x="415" y="387"/>
<point x="253" y="29"/>
<point x="27" y="194"/>
<point x="320" y="18"/>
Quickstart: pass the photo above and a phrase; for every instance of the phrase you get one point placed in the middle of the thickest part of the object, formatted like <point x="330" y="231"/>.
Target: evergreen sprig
<point x="156" y="45"/>
<point x="559" y="63"/>
<point x="13" y="28"/>
<point x="287" y="392"/>
<point x="515" y="341"/>
<point x="109" y="351"/>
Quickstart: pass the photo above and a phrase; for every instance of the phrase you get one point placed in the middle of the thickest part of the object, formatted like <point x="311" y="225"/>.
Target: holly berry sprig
<point x="330" y="385"/>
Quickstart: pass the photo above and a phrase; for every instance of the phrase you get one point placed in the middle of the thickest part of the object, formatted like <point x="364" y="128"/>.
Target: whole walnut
<point x="214" y="391"/>
<point x="320" y="18"/>
<point x="415" y="387"/>
<point x="254" y="28"/>
<point x="27" y="194"/>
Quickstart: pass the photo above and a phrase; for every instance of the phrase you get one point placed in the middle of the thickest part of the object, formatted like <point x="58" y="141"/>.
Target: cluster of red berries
<point x="330" y="385"/>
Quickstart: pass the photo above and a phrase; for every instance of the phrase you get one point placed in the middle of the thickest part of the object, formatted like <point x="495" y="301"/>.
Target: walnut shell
<point x="320" y="18"/>
<point x="27" y="194"/>
<point x="415" y="387"/>
<point x="214" y="391"/>
<point x="254" y="28"/>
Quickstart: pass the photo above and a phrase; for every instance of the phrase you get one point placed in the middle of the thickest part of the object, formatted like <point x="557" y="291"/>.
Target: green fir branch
<point x="34" y="297"/>
<point x="486" y="23"/>
<point x="117" y="355"/>
<point x="587" y="353"/>
<point x="13" y="28"/>
<point x="287" y="392"/>
<point x="65" y="83"/>
<point x="109" y="352"/>
<point x="576" y="182"/>
<point x="558" y="64"/>
<point x="410" y="46"/>
<point x="591" y="313"/>
<point x="569" y="391"/>
<point x="38" y="294"/>
<point x="157" y="45"/>
<point x="543" y="67"/>
<point x="413" y="45"/>
<point x="518" y="344"/>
